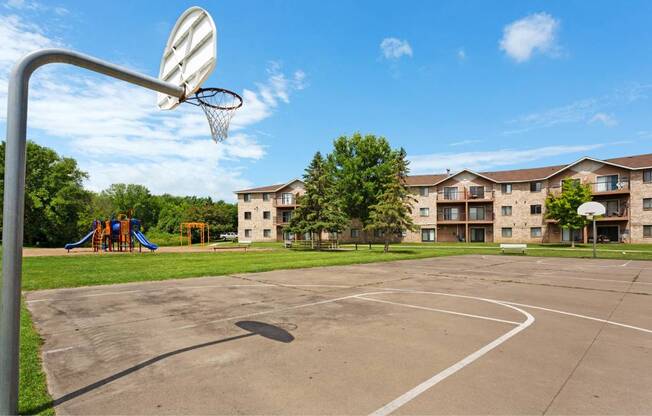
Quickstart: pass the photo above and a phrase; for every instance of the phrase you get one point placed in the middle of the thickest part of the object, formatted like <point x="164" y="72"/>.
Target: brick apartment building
<point x="500" y="206"/>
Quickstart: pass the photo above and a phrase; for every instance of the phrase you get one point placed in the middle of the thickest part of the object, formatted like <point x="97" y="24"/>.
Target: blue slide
<point x="143" y="240"/>
<point x="70" y="246"/>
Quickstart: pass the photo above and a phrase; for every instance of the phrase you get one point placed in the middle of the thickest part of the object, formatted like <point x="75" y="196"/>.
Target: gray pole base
<point x="14" y="197"/>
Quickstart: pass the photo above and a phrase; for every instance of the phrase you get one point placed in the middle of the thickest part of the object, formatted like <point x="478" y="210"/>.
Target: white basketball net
<point x="219" y="105"/>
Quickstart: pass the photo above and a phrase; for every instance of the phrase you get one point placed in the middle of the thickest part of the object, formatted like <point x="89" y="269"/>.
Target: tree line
<point x="58" y="209"/>
<point x="363" y="179"/>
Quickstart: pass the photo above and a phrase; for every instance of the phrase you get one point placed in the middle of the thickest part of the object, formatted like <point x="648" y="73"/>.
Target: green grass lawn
<point x="73" y="271"/>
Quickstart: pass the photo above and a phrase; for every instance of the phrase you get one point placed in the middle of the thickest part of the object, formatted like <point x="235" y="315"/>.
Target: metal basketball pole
<point x="14" y="196"/>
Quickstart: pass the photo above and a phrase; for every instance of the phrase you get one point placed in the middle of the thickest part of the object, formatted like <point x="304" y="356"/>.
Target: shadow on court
<point x="265" y="330"/>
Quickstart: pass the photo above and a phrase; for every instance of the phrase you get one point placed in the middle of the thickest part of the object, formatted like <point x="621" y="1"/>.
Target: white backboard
<point x="591" y="208"/>
<point x="190" y="54"/>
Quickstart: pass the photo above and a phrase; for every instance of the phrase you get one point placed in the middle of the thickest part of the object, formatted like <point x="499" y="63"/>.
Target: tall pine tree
<point x="392" y="214"/>
<point x="320" y="208"/>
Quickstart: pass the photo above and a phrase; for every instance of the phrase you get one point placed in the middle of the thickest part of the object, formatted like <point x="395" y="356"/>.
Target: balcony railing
<point x="619" y="186"/>
<point x="463" y="194"/>
<point x="460" y="216"/>
<point x="622" y="185"/>
<point x="280" y="220"/>
<point x="444" y="217"/>
<point x="285" y="201"/>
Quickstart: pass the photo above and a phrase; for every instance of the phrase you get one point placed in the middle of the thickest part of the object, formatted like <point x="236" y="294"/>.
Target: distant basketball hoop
<point x="590" y="210"/>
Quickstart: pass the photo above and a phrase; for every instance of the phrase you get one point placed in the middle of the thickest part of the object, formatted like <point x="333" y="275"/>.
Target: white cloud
<point x="393" y="48"/>
<point x="30" y="5"/>
<point x="534" y="33"/>
<point x="606" y="119"/>
<point x="461" y="54"/>
<point x="117" y="133"/>
<point x="483" y="161"/>
<point x="465" y="142"/>
<point x="580" y="111"/>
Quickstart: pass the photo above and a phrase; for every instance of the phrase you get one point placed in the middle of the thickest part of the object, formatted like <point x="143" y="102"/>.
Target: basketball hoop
<point x="219" y="105"/>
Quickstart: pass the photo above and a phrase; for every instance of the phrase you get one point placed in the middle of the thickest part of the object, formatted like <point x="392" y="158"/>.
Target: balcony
<point x="621" y="186"/>
<point x="286" y="201"/>
<point x="487" y="216"/>
<point x="463" y="194"/>
<point x="282" y="220"/>
<point x="611" y="187"/>
<point x="447" y="217"/>
<point x="473" y="216"/>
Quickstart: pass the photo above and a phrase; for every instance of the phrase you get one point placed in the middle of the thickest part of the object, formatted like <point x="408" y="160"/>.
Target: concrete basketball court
<point x="451" y="335"/>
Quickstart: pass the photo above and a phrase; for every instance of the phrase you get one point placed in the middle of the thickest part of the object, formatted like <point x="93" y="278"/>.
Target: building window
<point x="647" y="175"/>
<point x="506" y="188"/>
<point x="535" y="186"/>
<point x="355" y="233"/>
<point x="248" y="232"/>
<point x="424" y="212"/>
<point x="267" y="233"/>
<point x="506" y="232"/>
<point x="535" y="209"/>
<point x="246" y="197"/>
<point x="506" y="210"/>
<point x="287" y="198"/>
<point x="607" y="183"/>
<point x="378" y="233"/>
<point x="451" y="214"/>
<point x="476" y="213"/>
<point x="535" y="232"/>
<point x="476" y="191"/>
<point x="647" y="231"/>
<point x="266" y="196"/>
<point x="286" y="216"/>
<point x="247" y="215"/>
<point x="647" y="204"/>
<point x="427" y="234"/>
<point x="451" y="192"/>
<point x="424" y="191"/>
<point x="267" y="215"/>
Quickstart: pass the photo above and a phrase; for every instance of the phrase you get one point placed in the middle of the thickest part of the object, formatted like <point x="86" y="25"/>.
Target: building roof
<point x="514" y="175"/>
<point x="268" y="188"/>
<point x="633" y="162"/>
<point x="517" y="175"/>
<point x="414" y="180"/>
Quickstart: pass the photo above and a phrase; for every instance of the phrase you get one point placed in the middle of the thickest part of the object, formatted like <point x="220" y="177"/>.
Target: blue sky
<point x="483" y="85"/>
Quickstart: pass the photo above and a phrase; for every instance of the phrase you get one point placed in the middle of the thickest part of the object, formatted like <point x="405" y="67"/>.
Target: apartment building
<point x="264" y="212"/>
<point x="499" y="206"/>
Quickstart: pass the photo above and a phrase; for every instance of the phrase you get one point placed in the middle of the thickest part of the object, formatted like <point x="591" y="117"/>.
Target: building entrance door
<point x="477" y="235"/>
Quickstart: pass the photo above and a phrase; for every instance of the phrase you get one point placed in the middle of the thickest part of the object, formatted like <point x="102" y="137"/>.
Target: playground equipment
<point x="188" y="60"/>
<point x="204" y="232"/>
<point x="115" y="235"/>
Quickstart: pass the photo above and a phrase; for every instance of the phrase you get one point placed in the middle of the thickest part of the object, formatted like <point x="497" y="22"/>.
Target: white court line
<point x="626" y="263"/>
<point x="437" y="378"/>
<point x="439" y="310"/>
<point x="591" y="318"/>
<point x="637" y="328"/>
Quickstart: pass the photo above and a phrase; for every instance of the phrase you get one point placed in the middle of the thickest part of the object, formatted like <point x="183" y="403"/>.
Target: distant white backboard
<point x="190" y="55"/>
<point x="591" y="209"/>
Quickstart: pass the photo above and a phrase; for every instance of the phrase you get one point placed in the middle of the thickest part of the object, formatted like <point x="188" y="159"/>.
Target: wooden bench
<point x="241" y="245"/>
<point x="513" y="247"/>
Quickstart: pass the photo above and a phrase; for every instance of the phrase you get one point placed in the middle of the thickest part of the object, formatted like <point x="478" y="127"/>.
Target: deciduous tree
<point x="563" y="207"/>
